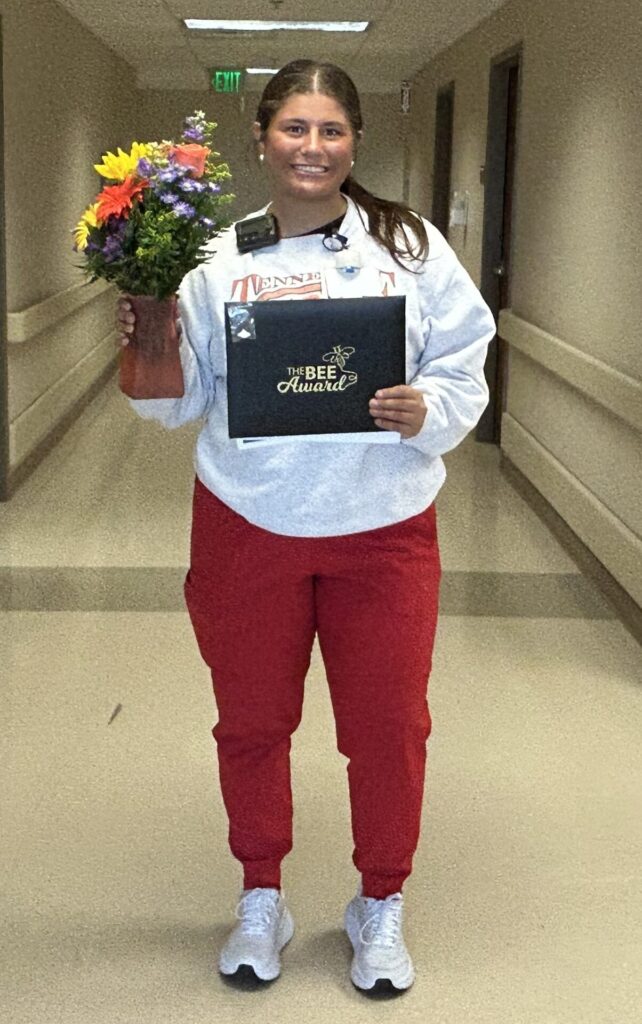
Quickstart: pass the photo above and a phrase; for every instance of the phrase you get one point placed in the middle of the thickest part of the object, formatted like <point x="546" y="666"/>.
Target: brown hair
<point x="389" y="221"/>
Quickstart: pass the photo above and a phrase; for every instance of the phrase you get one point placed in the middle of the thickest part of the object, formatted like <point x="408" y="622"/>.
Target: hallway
<point x="116" y="884"/>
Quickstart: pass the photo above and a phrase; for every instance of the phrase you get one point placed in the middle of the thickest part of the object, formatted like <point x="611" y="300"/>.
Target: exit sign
<point x="226" y="80"/>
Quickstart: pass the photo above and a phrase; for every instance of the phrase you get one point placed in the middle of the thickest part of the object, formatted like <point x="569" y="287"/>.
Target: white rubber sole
<point x="264" y="968"/>
<point x="401" y="976"/>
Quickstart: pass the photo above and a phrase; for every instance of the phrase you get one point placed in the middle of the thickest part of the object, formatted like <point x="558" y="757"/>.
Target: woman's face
<point x="308" y="147"/>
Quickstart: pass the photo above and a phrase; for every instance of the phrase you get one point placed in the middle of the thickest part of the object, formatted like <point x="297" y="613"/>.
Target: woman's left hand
<point x="401" y="408"/>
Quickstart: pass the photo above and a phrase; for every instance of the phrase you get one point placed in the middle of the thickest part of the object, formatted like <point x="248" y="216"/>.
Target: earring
<point x="261" y="158"/>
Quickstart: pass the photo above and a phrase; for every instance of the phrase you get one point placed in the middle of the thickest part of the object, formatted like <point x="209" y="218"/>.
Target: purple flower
<point x="184" y="210"/>
<point x="168" y="197"/>
<point x="191" y="185"/>
<point x="213" y="187"/>
<point x="117" y="226"/>
<point x="169" y="174"/>
<point x="145" y="168"/>
<point x="193" y="134"/>
<point x="112" y="249"/>
<point x="206" y="222"/>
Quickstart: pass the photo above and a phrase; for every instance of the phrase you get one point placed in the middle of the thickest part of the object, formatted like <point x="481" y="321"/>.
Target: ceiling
<point x="404" y="35"/>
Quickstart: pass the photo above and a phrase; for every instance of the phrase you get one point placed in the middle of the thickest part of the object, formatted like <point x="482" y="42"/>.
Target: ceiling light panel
<point x="208" y="25"/>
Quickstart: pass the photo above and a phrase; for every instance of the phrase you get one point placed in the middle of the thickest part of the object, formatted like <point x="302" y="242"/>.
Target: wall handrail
<point x="27" y="323"/>
<point x="616" y="391"/>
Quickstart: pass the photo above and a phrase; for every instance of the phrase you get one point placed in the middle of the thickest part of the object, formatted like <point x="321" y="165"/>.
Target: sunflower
<point x="117" y="168"/>
<point x="88" y="221"/>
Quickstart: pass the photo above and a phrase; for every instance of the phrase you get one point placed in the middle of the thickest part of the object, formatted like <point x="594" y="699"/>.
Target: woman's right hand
<point x="125" y="321"/>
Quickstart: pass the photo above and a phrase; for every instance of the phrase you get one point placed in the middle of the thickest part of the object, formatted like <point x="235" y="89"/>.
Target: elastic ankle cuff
<point x="262" y="874"/>
<point x="378" y="887"/>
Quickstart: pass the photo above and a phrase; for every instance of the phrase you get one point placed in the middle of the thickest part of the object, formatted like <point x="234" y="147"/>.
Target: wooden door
<point x="499" y="174"/>
<point x="502" y="271"/>
<point x="4" y="367"/>
<point x="442" y="160"/>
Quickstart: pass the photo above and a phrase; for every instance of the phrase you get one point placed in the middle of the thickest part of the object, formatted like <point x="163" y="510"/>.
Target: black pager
<point x="256" y="232"/>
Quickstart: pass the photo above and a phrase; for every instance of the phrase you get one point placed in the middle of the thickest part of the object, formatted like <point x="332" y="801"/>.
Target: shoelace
<point x="256" y="910"/>
<point x="385" y="921"/>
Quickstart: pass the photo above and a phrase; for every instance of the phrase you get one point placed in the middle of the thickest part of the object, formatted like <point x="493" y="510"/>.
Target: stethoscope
<point x="348" y="262"/>
<point x="335" y="242"/>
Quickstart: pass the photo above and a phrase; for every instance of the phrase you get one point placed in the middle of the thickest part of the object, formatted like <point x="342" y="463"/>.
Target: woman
<point x="336" y="539"/>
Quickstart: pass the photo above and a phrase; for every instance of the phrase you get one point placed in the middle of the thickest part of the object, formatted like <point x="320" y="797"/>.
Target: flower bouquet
<point x="147" y="228"/>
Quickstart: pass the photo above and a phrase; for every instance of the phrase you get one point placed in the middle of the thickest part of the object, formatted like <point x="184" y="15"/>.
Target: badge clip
<point x="348" y="262"/>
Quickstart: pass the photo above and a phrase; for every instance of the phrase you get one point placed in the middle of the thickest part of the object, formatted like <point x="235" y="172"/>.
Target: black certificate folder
<point x="311" y="367"/>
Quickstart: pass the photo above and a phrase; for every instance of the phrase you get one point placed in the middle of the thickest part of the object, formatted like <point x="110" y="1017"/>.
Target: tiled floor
<point x="116" y="884"/>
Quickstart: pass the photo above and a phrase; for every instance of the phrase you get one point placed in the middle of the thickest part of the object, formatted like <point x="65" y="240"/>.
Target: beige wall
<point x="574" y="419"/>
<point x="67" y="100"/>
<point x="65" y="97"/>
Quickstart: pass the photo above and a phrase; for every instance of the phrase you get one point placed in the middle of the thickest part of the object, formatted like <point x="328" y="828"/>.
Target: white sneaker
<point x="374" y="929"/>
<point x="266" y="927"/>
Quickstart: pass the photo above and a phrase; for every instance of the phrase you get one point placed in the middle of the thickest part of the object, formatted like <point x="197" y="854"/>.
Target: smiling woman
<point x="296" y="539"/>
<point x="309" y="126"/>
<point x="308" y="150"/>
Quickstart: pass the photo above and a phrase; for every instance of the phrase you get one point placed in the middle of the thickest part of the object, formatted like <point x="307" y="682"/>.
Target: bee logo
<point x="339" y="355"/>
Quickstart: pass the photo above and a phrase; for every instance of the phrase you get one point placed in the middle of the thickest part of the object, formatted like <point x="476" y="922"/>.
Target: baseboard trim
<point x="627" y="610"/>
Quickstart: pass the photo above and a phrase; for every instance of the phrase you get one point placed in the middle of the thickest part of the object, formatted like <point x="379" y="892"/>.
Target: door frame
<point x="494" y="179"/>
<point x="442" y="156"/>
<point x="4" y="356"/>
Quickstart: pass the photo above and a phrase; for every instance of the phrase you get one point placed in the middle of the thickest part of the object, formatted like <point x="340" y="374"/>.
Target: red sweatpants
<point x="256" y="600"/>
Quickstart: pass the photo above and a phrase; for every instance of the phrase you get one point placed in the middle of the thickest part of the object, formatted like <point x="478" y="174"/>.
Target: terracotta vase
<point x="150" y="365"/>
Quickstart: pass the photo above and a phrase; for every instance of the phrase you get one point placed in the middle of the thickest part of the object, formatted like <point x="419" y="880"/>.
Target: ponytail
<point x="390" y="222"/>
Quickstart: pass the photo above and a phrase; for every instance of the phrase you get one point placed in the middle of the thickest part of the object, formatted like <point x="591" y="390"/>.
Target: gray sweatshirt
<point x="302" y="487"/>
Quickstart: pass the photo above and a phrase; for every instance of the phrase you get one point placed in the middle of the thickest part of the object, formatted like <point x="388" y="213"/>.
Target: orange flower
<point x="117" y="199"/>
<point x="191" y="155"/>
